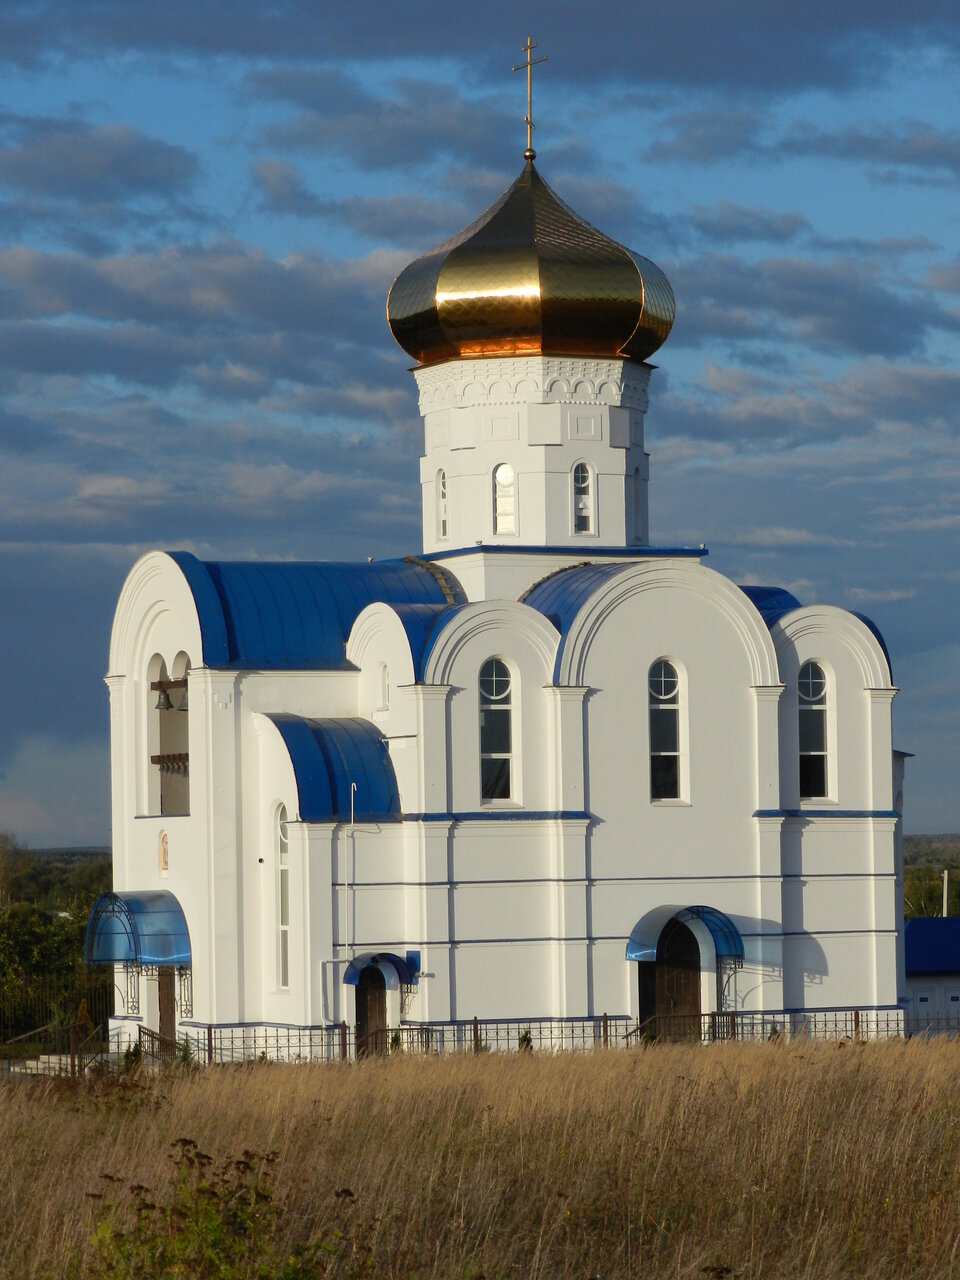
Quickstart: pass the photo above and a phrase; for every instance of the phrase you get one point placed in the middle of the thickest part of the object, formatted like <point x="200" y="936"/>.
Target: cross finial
<point x="530" y="63"/>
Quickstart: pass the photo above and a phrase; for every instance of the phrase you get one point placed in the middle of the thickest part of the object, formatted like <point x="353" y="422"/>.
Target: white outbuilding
<point x="543" y="770"/>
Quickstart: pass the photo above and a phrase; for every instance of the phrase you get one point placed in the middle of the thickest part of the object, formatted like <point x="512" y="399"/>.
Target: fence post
<point x="209" y="1043"/>
<point x="73" y="1051"/>
<point x="343" y="1042"/>
<point x="605" y="1033"/>
<point x="476" y="1034"/>
<point x="856" y="1024"/>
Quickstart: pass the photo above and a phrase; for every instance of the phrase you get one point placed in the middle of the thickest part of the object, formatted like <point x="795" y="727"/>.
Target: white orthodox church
<point x="540" y="771"/>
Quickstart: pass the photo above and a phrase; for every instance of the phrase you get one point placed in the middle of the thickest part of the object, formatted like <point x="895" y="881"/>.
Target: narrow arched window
<point x="638" y="521"/>
<point x="283" y="899"/>
<point x="582" y="499"/>
<point x="496" y="731"/>
<point x="664" y="686"/>
<point x="441" y="505"/>
<point x="812" y="723"/>
<point x="384" y="686"/>
<point x="504" y="499"/>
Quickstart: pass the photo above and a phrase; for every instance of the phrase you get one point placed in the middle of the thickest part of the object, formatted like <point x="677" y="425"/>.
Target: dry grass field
<point x="736" y="1160"/>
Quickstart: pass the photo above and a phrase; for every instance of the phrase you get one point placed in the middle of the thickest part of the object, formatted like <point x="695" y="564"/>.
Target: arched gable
<point x="834" y="624"/>
<point x="400" y="632"/>
<point x="673" y="575"/>
<point x="156" y="614"/>
<point x="465" y="623"/>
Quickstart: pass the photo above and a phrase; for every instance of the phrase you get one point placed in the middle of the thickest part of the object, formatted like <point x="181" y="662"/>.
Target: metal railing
<point x="54" y="1050"/>
<point x="339" y="1042"/>
<point x="72" y="1050"/>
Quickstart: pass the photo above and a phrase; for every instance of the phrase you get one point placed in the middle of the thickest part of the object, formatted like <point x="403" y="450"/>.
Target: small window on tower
<point x="442" y="505"/>
<point x="504" y="499"/>
<point x="582" y="499"/>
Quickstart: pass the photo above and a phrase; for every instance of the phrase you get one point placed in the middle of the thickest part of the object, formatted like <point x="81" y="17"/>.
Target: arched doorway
<point x="670" y="987"/>
<point x="371" y="1012"/>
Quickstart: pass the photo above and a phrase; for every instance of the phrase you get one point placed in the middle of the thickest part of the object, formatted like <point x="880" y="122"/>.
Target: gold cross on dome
<point x="530" y="63"/>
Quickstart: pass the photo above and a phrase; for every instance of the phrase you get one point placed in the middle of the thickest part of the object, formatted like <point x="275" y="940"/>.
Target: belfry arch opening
<point x="168" y="712"/>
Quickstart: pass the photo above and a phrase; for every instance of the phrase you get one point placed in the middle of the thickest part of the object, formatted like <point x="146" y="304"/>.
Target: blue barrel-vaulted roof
<point x="772" y="603"/>
<point x="141" y="928"/>
<point x="327" y="756"/>
<point x="297" y="616"/>
<point x="562" y="595"/>
<point x="727" y="942"/>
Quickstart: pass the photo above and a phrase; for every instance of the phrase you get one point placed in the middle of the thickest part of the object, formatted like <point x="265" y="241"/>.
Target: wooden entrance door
<point x="371" y="1012"/>
<point x="677" y="995"/>
<point x="168" y="1017"/>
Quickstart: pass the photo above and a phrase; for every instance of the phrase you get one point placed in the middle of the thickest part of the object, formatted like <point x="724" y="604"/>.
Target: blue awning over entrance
<point x="406" y="968"/>
<point x="642" y="943"/>
<point x="137" y="928"/>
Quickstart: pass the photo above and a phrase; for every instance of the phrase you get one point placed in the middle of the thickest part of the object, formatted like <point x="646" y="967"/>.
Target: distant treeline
<point x="924" y="859"/>
<point x="45" y="898"/>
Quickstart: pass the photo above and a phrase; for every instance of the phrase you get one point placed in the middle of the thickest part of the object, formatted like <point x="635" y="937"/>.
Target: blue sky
<point x="202" y="207"/>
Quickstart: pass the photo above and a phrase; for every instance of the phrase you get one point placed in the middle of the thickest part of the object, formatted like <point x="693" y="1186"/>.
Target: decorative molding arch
<point x="381" y="621"/>
<point x="154" y="587"/>
<point x="525" y="625"/>
<point x="838" y="624"/>
<point x="706" y="583"/>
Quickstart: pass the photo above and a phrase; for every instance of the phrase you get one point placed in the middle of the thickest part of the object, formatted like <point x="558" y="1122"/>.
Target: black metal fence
<point x="276" y="1043"/>
<point x="28" y="1001"/>
<point x="55" y="1022"/>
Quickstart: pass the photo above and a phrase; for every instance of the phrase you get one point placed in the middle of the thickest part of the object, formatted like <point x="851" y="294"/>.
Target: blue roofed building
<point x="541" y="770"/>
<point x="932" y="963"/>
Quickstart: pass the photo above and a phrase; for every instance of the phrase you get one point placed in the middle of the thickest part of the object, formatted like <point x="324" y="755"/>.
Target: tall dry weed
<point x="759" y="1160"/>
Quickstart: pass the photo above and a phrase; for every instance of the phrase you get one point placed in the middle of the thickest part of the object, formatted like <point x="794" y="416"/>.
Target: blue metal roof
<point x="642" y="943"/>
<point x="423" y="624"/>
<point x="327" y="756"/>
<point x="772" y="603"/>
<point x="561" y="596"/>
<point x="505" y="548"/>
<point x="296" y="616"/>
<point x="931" y="944"/>
<point x="137" y="928"/>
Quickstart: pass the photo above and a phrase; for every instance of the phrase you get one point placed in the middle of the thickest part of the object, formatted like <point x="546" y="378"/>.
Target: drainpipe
<point x="353" y="877"/>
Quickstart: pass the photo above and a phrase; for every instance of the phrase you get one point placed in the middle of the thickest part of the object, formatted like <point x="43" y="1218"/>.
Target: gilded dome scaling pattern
<point x="530" y="277"/>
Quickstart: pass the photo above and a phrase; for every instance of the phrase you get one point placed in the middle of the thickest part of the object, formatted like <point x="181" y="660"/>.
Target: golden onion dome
<point x="530" y="277"/>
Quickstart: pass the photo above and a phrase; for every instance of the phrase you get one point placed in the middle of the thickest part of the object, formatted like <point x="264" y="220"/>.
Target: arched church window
<point x="637" y="506"/>
<point x="384" y="686"/>
<point x="504" y="499"/>
<point x="583" y="516"/>
<point x="664" y="686"/>
<point x="496" y="731"/>
<point x="441" y="505"/>
<point x="812" y="718"/>
<point x="283" y="899"/>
